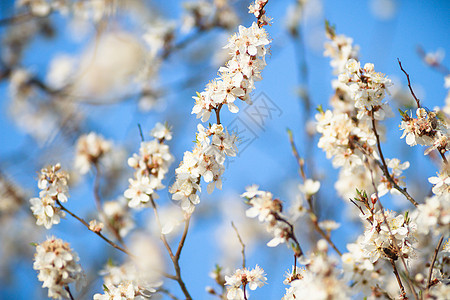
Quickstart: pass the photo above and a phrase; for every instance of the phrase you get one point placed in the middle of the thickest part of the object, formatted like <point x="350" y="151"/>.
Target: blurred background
<point x="71" y="67"/>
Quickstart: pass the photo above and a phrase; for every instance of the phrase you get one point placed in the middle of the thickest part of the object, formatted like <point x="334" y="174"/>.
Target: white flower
<point x="95" y="226"/>
<point x="441" y="183"/>
<point x="58" y="267"/>
<point x="434" y="215"/>
<point x="242" y="278"/>
<point x="377" y="236"/>
<point x="352" y="66"/>
<point x="54" y="187"/>
<point x="396" y="167"/>
<point x="367" y="88"/>
<point x="90" y="149"/>
<point x="139" y="191"/>
<point x="329" y="225"/>
<point x="281" y="234"/>
<point x="309" y="187"/>
<point x="53" y="182"/>
<point x="425" y="130"/>
<point x="45" y="211"/>
<point x="124" y="291"/>
<point x="320" y="281"/>
<point x="340" y="49"/>
<point x="161" y="132"/>
<point x="262" y="206"/>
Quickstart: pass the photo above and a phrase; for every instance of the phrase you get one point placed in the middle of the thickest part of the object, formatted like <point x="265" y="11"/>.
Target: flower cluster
<point x="151" y="165"/>
<point x="340" y="137"/>
<point x="360" y="271"/>
<point x="268" y="210"/>
<point x="125" y="281"/>
<point x="58" y="267"/>
<point x="241" y="279"/>
<point x="427" y="130"/>
<point x="347" y="131"/>
<point x="138" y="277"/>
<point x="237" y="79"/>
<point x="340" y="49"/>
<point x="257" y="9"/>
<point x="309" y="187"/>
<point x="388" y="235"/>
<point x="367" y="87"/>
<point x="90" y="149"/>
<point x="123" y="291"/>
<point x="441" y="183"/>
<point x="53" y="185"/>
<point x="207" y="159"/>
<point x="321" y="279"/>
<point x="434" y="215"/>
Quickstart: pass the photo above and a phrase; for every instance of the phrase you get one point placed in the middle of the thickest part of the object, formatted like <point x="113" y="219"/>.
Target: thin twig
<point x="313" y="216"/>
<point x="443" y="157"/>
<point x="409" y="84"/>
<point x="304" y="95"/>
<point x="384" y="167"/>
<point x="217" y="110"/>
<point x="245" y="294"/>
<point x="68" y="291"/>
<point x="180" y="45"/>
<point x="183" y="238"/>
<point x="300" y="161"/>
<point x="16" y="19"/>
<point x="242" y="244"/>
<point x="97" y="233"/>
<point x="174" y="258"/>
<point x="98" y="203"/>
<point x="436" y="251"/>
<point x="140" y="132"/>
<point x="402" y="289"/>
<point x="292" y="236"/>
<point x="323" y="234"/>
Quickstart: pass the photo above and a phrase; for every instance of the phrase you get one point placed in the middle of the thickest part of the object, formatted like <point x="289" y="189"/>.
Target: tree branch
<point x="174" y="258"/>
<point x="384" y="167"/>
<point x="409" y="84"/>
<point x="436" y="251"/>
<point x="242" y="244"/>
<point x="97" y="233"/>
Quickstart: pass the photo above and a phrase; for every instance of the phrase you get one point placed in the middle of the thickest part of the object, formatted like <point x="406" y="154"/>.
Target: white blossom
<point x="90" y="149"/>
<point x="151" y="166"/>
<point x="54" y="187"/>
<point x="433" y="215"/>
<point x="309" y="187"/>
<point x="441" y="183"/>
<point x="241" y="279"/>
<point x="58" y="267"/>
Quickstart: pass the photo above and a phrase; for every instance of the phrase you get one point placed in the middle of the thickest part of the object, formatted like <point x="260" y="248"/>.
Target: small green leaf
<point x="320" y="109"/>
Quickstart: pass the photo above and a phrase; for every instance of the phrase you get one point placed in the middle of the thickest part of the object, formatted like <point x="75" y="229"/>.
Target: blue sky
<point x="266" y="161"/>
